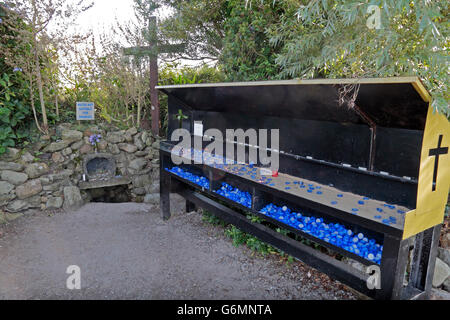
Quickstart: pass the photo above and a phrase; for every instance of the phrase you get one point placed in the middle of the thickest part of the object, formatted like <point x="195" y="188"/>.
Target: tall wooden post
<point x="156" y="125"/>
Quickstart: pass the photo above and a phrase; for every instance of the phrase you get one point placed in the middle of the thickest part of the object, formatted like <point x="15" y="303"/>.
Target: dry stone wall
<point x="46" y="175"/>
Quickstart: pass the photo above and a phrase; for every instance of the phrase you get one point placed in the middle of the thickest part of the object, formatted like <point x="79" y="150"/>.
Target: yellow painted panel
<point x="431" y="197"/>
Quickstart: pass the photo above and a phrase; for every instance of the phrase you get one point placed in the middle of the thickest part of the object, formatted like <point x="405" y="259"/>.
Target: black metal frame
<point x="396" y="253"/>
<point x="371" y="149"/>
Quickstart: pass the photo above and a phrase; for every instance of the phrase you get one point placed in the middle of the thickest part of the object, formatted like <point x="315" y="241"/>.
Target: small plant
<point x="212" y="219"/>
<point x="259" y="246"/>
<point x="94" y="139"/>
<point x="180" y="117"/>
<point x="239" y="237"/>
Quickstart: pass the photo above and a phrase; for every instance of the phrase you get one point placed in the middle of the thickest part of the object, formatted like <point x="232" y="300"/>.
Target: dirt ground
<point x="125" y="251"/>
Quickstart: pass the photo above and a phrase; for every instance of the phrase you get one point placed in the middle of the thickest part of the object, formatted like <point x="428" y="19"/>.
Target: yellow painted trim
<point x="430" y="205"/>
<point x="420" y="88"/>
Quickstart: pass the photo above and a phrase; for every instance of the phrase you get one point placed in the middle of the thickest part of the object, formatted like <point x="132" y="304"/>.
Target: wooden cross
<point x="152" y="51"/>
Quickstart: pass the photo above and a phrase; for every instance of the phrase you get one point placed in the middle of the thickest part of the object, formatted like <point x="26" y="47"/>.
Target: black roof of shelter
<point x="397" y="102"/>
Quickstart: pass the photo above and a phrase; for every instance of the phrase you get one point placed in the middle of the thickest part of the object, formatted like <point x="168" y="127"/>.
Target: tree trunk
<point x="32" y="104"/>
<point x="138" y="120"/>
<point x="41" y="93"/>
<point x="56" y="103"/>
<point x="37" y="66"/>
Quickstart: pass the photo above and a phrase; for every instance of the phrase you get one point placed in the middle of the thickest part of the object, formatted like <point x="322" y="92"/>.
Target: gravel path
<point x="125" y="251"/>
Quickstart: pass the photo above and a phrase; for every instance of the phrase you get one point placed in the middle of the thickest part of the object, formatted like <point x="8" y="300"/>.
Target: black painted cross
<point x="436" y="153"/>
<point x="152" y="51"/>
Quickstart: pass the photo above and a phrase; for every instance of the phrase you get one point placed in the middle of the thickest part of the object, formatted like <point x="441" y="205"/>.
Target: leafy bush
<point x="14" y="115"/>
<point x="172" y="74"/>
<point x="16" y="119"/>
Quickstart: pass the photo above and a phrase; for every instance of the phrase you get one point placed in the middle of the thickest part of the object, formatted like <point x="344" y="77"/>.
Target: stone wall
<point x="46" y="174"/>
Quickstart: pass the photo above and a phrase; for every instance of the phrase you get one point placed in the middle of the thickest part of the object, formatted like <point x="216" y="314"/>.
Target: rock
<point x="45" y="157"/>
<point x="155" y="175"/>
<point x="152" y="187"/>
<point x="445" y="241"/>
<point x="13" y="166"/>
<point x="86" y="148"/>
<point x="132" y="131"/>
<point x="141" y="172"/>
<point x="139" y="191"/>
<point x="128" y="137"/>
<point x="35" y="170"/>
<point x="54" y="186"/>
<point x="137" y="164"/>
<point x="54" y="202"/>
<point x="45" y="181"/>
<point x="77" y="145"/>
<point x="62" y="127"/>
<point x="27" y="157"/>
<point x="138" y="143"/>
<point x="113" y="148"/>
<point x="141" y="153"/>
<point x="102" y="145"/>
<point x="72" y="198"/>
<point x="152" y="198"/>
<point x="123" y="171"/>
<point x="115" y="137"/>
<point x="60" y="175"/>
<point x="67" y="151"/>
<point x="129" y="156"/>
<point x="6" y="198"/>
<point x="127" y="147"/>
<point x="446" y="285"/>
<point x="154" y="154"/>
<point x="91" y="131"/>
<point x="11" y="154"/>
<point x="58" y="193"/>
<point x="56" y="146"/>
<point x="121" y="158"/>
<point x="5" y="187"/>
<point x="149" y="142"/>
<point x="144" y="136"/>
<point x="17" y="205"/>
<point x="34" y="202"/>
<point x="57" y="157"/>
<point x="14" y="177"/>
<point x="2" y="220"/>
<point x="12" y="216"/>
<point x="29" y="189"/>
<point x="155" y="145"/>
<point x="437" y="294"/>
<point x="441" y="273"/>
<point x="444" y="255"/>
<point x="141" y="181"/>
<point x="71" y="135"/>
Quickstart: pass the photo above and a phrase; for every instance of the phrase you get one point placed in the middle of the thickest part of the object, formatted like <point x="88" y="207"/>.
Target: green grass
<point x="239" y="237"/>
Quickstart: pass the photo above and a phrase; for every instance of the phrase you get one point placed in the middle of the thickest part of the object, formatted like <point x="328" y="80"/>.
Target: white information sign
<point x="85" y="111"/>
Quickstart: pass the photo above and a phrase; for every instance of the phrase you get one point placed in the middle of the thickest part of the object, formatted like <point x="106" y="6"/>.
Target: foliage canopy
<point x="280" y="39"/>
